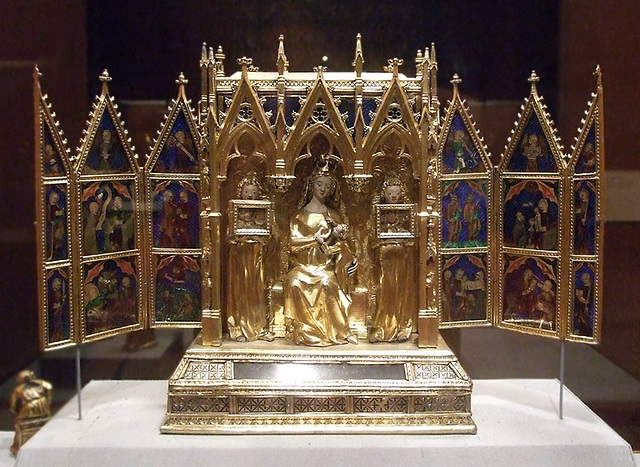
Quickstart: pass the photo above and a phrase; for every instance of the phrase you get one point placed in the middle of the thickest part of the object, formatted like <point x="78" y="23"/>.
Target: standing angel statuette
<point x="247" y="315"/>
<point x="396" y="311"/>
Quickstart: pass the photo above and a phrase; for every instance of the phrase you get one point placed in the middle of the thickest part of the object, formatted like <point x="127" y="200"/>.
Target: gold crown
<point x="324" y="166"/>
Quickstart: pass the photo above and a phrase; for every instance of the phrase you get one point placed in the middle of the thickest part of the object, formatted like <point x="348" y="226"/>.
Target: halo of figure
<point x="316" y="288"/>
<point x="396" y="307"/>
<point x="247" y="316"/>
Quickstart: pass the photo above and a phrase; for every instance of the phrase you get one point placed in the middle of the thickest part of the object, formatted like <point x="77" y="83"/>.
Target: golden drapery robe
<point x="316" y="300"/>
<point x="396" y="309"/>
<point x="246" y="291"/>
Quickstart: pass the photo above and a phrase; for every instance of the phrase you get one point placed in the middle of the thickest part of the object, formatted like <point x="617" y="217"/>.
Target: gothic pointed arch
<point x="177" y="147"/>
<point x="245" y="115"/>
<point x="247" y="140"/>
<point x="319" y="115"/>
<point x="534" y="146"/>
<point x="393" y="115"/>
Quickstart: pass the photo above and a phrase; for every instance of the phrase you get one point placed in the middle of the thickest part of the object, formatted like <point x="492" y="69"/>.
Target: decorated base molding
<point x="264" y="387"/>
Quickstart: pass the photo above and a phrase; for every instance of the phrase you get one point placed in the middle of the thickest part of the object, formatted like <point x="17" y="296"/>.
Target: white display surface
<point x="6" y="440"/>
<point x="517" y="421"/>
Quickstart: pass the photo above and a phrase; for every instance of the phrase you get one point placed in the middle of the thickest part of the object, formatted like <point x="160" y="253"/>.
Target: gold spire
<point x="419" y="60"/>
<point x="394" y="63"/>
<point x="181" y="81"/>
<point x="456" y="82"/>
<point x="533" y="79"/>
<point x="320" y="70"/>
<point x="359" y="58"/>
<point x="203" y="55"/>
<point x="245" y="63"/>
<point x="282" y="62"/>
<point x="105" y="78"/>
<point x="220" y="61"/>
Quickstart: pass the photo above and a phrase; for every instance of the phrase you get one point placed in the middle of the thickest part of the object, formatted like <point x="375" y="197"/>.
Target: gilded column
<point x="428" y="217"/>
<point x="210" y="218"/>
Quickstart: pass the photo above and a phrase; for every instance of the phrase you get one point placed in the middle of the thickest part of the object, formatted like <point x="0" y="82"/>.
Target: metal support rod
<point x="561" y="395"/>
<point x="78" y="382"/>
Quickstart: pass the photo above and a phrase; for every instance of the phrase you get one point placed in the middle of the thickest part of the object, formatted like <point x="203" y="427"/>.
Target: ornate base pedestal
<point x="278" y="387"/>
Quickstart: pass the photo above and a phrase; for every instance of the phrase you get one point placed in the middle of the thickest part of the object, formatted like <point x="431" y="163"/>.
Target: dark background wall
<point x="145" y="44"/>
<point x="136" y="40"/>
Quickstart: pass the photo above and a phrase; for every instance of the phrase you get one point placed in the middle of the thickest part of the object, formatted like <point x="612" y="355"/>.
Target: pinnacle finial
<point x="456" y="82"/>
<point x="245" y="63"/>
<point x="219" y="56"/>
<point x="433" y="52"/>
<point x="394" y="63"/>
<point x="419" y="61"/>
<point x="105" y="78"/>
<point x="281" y="61"/>
<point x="36" y="73"/>
<point x="203" y="55"/>
<point x="320" y="70"/>
<point x="181" y="80"/>
<point x="533" y="79"/>
<point x="359" y="58"/>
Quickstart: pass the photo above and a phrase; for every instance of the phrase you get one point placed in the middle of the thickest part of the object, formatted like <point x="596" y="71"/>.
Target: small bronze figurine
<point x="31" y="402"/>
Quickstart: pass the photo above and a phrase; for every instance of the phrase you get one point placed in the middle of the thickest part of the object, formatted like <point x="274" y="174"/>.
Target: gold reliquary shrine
<point x="320" y="227"/>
